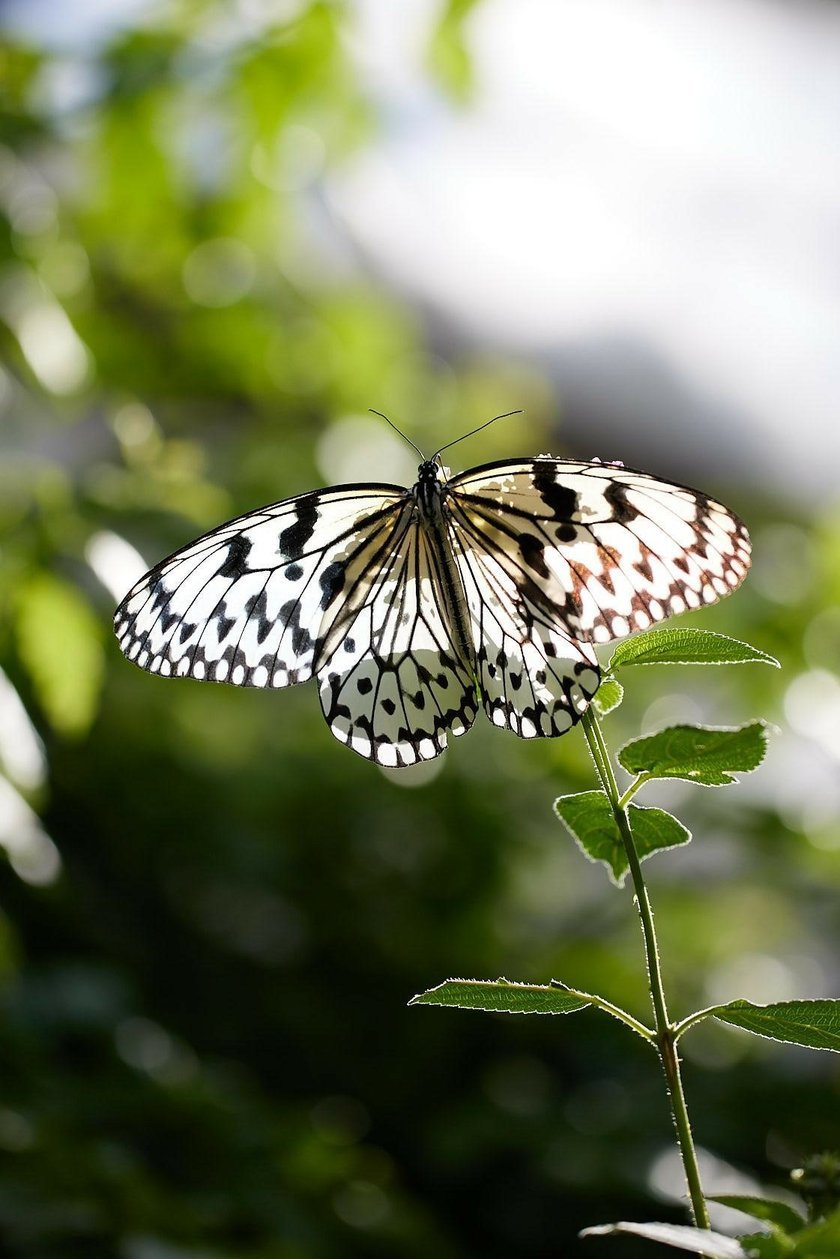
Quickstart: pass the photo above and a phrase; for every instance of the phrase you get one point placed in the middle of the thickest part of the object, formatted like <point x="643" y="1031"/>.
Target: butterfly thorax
<point x="428" y="490"/>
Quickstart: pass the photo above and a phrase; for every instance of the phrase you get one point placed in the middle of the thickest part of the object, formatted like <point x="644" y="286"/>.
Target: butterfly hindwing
<point x="396" y="685"/>
<point x="612" y="550"/>
<point x="535" y="679"/>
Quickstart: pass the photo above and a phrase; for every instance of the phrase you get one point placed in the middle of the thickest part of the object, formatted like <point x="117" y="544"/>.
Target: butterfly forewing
<point x="610" y="549"/>
<point x="254" y="601"/>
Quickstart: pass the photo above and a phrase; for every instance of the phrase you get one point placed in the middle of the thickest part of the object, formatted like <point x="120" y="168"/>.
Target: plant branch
<point x="635" y="785"/>
<point x="665" y="1039"/>
<point x="616" y="1011"/>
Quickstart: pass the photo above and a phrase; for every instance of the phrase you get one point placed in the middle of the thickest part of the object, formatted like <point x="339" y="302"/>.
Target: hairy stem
<point x="615" y="1010"/>
<point x="665" y="1040"/>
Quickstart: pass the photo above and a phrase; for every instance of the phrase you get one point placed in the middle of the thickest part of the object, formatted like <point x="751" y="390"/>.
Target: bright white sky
<point x="646" y="194"/>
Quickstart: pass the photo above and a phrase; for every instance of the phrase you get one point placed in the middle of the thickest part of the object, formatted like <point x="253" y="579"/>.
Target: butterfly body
<point x="430" y="497"/>
<point x="415" y="607"/>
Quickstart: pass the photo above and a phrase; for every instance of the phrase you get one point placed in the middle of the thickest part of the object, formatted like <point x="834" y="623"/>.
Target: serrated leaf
<point x="687" y="646"/>
<point x="780" y="1214"/>
<point x="698" y="1241"/>
<point x="815" y="1024"/>
<point x="503" y="996"/>
<point x="589" y="819"/>
<point x="60" y="644"/>
<point x="709" y="755"/>
<point x="608" y="696"/>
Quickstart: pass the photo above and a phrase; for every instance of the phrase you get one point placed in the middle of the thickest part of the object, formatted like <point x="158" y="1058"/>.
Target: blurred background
<point x="229" y="228"/>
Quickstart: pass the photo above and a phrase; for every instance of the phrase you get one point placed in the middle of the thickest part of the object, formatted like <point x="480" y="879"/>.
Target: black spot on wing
<point x="562" y="500"/>
<point x="331" y="582"/>
<point x="225" y="622"/>
<point x="236" y="561"/>
<point x="256" y="608"/>
<point x="616" y="496"/>
<point x="566" y="533"/>
<point x="293" y="539"/>
<point x="533" y="553"/>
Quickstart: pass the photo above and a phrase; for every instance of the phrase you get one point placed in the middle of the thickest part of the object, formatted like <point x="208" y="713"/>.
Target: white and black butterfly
<point x="417" y="607"/>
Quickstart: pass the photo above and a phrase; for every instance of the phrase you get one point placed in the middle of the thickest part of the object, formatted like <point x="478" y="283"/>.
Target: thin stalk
<point x="623" y="1017"/>
<point x="665" y="1041"/>
<point x="635" y="786"/>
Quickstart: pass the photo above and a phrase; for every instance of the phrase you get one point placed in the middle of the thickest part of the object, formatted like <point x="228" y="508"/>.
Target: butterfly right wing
<point x="613" y="550"/>
<point x="535" y="679"/>
<point x="255" y="601"/>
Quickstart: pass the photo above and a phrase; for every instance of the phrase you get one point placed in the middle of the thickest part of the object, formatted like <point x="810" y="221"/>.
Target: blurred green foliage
<point x="212" y="914"/>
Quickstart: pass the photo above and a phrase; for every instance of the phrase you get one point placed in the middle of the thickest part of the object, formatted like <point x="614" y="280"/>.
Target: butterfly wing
<point x="609" y="549"/>
<point x="340" y="583"/>
<point x="396" y="685"/>
<point x="535" y="679"/>
<point x="255" y="601"/>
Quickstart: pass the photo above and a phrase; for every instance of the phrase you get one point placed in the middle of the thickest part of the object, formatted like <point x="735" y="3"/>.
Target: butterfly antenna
<point x="373" y="411"/>
<point x="472" y="433"/>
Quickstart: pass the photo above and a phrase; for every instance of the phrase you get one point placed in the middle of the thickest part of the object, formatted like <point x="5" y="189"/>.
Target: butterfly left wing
<point x="341" y="583"/>
<point x="255" y="601"/>
<point x="608" y="549"/>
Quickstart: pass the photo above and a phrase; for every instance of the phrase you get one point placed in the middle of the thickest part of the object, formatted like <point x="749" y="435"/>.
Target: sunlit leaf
<point x="686" y="646"/>
<point x="780" y="1214"/>
<point x="503" y="996"/>
<point x="696" y="1240"/>
<point x="590" y="821"/>
<point x="608" y="696"/>
<point x="812" y="1023"/>
<point x="709" y="755"/>
<point x="59" y="642"/>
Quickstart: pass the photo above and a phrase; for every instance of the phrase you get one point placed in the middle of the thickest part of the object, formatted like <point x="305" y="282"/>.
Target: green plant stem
<point x="665" y="1041"/>
<point x="635" y="786"/>
<point x="616" y="1011"/>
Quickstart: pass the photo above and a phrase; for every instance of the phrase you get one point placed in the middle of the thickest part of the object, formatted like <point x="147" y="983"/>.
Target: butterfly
<point x="417" y="607"/>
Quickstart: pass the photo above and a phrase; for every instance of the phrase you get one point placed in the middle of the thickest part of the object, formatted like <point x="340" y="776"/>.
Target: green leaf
<point x="608" y="696"/>
<point x="687" y="646"/>
<point x="589" y="819"/>
<point x="815" y="1024"/>
<point x="697" y="1240"/>
<point x="60" y="645"/>
<point x="780" y="1214"/>
<point x="820" y="1240"/>
<point x="501" y="996"/>
<point x="768" y="1246"/>
<point x="702" y="754"/>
